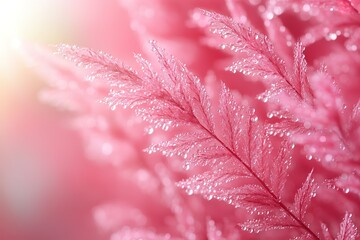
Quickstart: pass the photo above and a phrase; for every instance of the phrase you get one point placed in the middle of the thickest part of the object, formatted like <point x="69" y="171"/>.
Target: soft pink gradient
<point x="48" y="187"/>
<point x="82" y="174"/>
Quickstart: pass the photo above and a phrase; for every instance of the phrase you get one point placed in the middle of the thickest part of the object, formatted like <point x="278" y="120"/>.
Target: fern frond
<point x="177" y="98"/>
<point x="257" y="52"/>
<point x="308" y="106"/>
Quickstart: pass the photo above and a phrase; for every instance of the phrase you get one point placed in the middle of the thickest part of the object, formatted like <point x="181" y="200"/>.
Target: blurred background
<point x="48" y="189"/>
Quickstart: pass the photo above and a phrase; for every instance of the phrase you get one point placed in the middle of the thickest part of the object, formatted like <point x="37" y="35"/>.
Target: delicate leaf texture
<point x="269" y="223"/>
<point x="303" y="197"/>
<point x="308" y="105"/>
<point x="260" y="58"/>
<point x="344" y="6"/>
<point x="326" y="233"/>
<point x="177" y="98"/>
<point x="300" y="81"/>
<point x="349" y="183"/>
<point x="348" y="231"/>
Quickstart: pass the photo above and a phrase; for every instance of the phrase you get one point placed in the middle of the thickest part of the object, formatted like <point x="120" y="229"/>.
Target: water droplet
<point x="306" y="8"/>
<point x="254" y="119"/>
<point x="269" y="15"/>
<point x="332" y="36"/>
<point x="278" y="10"/>
<point x="351" y="47"/>
<point x="186" y="166"/>
<point x="189" y="191"/>
<point x="307" y="125"/>
<point x="328" y="157"/>
<point x="165" y="127"/>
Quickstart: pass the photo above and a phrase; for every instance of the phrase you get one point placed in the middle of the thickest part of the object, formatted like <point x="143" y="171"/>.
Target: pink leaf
<point x="326" y="233"/>
<point x="177" y="98"/>
<point x="303" y="197"/>
<point x="260" y="56"/>
<point x="348" y="231"/>
<point x="270" y="223"/>
<point x="300" y="81"/>
<point x="349" y="183"/>
<point x="235" y="120"/>
<point x="188" y="91"/>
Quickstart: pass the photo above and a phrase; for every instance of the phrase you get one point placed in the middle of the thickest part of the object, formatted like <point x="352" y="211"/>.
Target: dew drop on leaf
<point x="254" y="119"/>
<point x="331" y="36"/>
<point x="307" y="125"/>
<point x="150" y="131"/>
<point x="351" y="47"/>
<point x="328" y="157"/>
<point x="189" y="191"/>
<point x="186" y="166"/>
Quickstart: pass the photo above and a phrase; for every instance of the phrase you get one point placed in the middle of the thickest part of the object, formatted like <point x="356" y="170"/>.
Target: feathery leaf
<point x="348" y="231"/>
<point x="303" y="196"/>
<point x="178" y="99"/>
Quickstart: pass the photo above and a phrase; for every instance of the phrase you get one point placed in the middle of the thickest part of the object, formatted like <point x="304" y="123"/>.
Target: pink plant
<point x="245" y="172"/>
